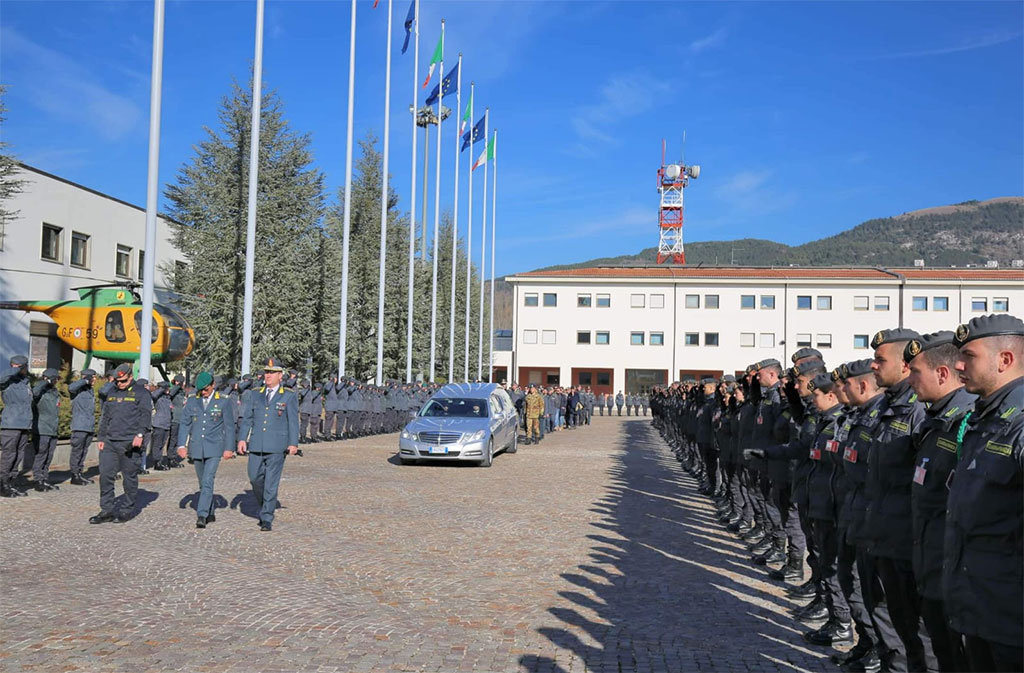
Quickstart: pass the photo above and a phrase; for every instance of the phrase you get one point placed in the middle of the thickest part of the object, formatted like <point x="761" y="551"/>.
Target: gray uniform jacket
<point x="331" y="402"/>
<point x="47" y="400"/>
<point x="177" y="397"/>
<point x="208" y="432"/>
<point x="273" y="428"/>
<point x="17" y="397"/>
<point x="162" y="403"/>
<point x="83" y="407"/>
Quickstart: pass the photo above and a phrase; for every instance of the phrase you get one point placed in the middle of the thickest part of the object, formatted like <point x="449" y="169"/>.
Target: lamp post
<point x="426" y="117"/>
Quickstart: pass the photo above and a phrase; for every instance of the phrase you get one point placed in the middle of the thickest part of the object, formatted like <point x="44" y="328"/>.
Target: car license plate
<point x="439" y="449"/>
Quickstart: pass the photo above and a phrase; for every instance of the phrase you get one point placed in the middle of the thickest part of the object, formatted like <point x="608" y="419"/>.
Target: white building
<point x="629" y="328"/>
<point x="66" y="236"/>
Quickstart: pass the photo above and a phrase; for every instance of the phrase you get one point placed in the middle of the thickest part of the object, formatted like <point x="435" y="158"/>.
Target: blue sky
<point x="806" y="118"/>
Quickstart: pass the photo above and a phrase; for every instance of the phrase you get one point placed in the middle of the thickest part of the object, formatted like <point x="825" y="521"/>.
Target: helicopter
<point x="105" y="322"/>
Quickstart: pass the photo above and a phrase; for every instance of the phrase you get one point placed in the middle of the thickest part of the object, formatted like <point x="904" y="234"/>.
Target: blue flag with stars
<point x="474" y="135"/>
<point x="449" y="82"/>
<point x="408" y="24"/>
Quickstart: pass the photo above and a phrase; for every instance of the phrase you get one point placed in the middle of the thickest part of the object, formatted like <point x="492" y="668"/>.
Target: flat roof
<point x="786" y="272"/>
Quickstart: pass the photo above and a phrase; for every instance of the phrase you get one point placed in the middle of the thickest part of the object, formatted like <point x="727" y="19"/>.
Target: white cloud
<point x="968" y="44"/>
<point x="709" y="41"/>
<point x="620" y="97"/>
<point x="742" y="184"/>
<point x="625" y="221"/>
<point x="65" y="90"/>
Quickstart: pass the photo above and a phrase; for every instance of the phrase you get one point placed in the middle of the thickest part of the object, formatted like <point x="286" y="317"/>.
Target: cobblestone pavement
<point x="589" y="552"/>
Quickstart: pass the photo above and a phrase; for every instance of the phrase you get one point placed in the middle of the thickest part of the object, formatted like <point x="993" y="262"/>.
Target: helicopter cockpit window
<point x="114" y="331"/>
<point x="138" y="326"/>
<point x="170" y="316"/>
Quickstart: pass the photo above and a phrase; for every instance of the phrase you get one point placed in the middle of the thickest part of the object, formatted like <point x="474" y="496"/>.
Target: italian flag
<point x="438" y="56"/>
<point x="486" y="155"/>
<point x="466" y="117"/>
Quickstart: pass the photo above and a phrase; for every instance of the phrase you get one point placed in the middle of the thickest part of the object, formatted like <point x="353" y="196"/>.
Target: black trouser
<point x="172" y="440"/>
<point x="947" y="644"/>
<point x="772" y="515"/>
<point x="709" y="454"/>
<point x="875" y="602"/>
<point x="813" y="552"/>
<point x="789" y="531"/>
<point x="826" y="539"/>
<point x="13" y="445"/>
<point x="988" y="655"/>
<point x="746" y="500"/>
<point x="303" y="426"/>
<point x="329" y="420"/>
<point x="157" y="445"/>
<point x="80" y="441"/>
<point x="45" y="445"/>
<point x="119" y="456"/>
<point x="849" y="582"/>
<point x="618" y="407"/>
<point x="897" y="577"/>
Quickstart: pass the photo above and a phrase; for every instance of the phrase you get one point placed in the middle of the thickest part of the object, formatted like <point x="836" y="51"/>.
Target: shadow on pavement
<point x="666" y="588"/>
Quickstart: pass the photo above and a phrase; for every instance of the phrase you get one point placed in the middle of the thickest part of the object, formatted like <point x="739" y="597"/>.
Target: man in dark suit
<point x="269" y="431"/>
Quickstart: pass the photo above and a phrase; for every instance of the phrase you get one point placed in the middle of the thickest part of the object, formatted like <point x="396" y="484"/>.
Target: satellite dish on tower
<point x="672" y="171"/>
<point x="693" y="171"/>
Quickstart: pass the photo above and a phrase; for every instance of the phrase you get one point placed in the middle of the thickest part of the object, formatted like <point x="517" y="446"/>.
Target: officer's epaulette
<point x="949" y="414"/>
<point x="263" y="389"/>
<point x="1009" y="413"/>
<point x="216" y="395"/>
<point x="912" y="399"/>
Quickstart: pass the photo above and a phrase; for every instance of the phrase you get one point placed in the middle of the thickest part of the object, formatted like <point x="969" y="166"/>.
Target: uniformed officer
<point x="127" y="413"/>
<point x="178" y="398"/>
<point x="161" y="425"/>
<point x="83" y="424"/>
<point x="982" y="577"/>
<point x="932" y="360"/>
<point x="619" y="401"/>
<point x="269" y="430"/>
<point x="305" y="392"/>
<point x="206" y="434"/>
<point x="15" y="423"/>
<point x="331" y="409"/>
<point x="46" y="401"/>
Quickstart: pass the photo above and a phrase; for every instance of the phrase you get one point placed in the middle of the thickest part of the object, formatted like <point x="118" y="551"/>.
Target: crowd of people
<point x="898" y="479"/>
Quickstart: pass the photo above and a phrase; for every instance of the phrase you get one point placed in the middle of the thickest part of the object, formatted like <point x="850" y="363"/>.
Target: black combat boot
<point x="832" y="632"/>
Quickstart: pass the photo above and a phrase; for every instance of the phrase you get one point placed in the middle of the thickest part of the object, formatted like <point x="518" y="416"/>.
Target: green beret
<point x="203" y="380"/>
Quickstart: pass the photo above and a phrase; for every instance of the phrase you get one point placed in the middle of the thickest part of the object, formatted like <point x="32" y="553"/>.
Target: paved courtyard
<point x="589" y="552"/>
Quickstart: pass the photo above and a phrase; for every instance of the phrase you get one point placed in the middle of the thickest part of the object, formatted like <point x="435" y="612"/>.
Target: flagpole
<point x="153" y="188"/>
<point x="343" y="327"/>
<point x="412" y="200"/>
<point x="483" y="260"/>
<point x="437" y="218"/>
<point x="469" y="234"/>
<point x="455" y="226"/>
<point x="384" y="205"/>
<point x="494" y="234"/>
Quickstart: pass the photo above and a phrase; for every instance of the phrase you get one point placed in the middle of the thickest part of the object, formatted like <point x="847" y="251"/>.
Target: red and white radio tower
<point x="672" y="179"/>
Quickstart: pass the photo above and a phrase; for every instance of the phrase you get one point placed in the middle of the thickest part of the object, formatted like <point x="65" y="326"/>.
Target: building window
<point x="767" y="340"/>
<point x="530" y="300"/>
<point x="920" y="303"/>
<point x="979" y="304"/>
<point x="51" y="243"/>
<point x="860" y="341"/>
<point x="691" y="339"/>
<point x="547" y="336"/>
<point x="585" y="378"/>
<point x="550" y="299"/>
<point x="636" y="301"/>
<point x="747" y="339"/>
<point x="657" y="338"/>
<point x="803" y="302"/>
<point x="583" y="300"/>
<point x="582" y="337"/>
<point x="1001" y="304"/>
<point x="861" y="303"/>
<point x="657" y="301"/>
<point x="747" y="301"/>
<point x="604" y="378"/>
<point x="825" y="303"/>
<point x="79" y="250"/>
<point x="768" y="301"/>
<point x="710" y="338"/>
<point x="529" y="336"/>
<point x="881" y="303"/>
<point x="604" y="300"/>
<point x="602" y="338"/>
<point x="940" y="303"/>
<point x="823" y="340"/>
<point x="123" y="261"/>
<point x="693" y="301"/>
<point x="803" y="340"/>
<point x="636" y="338"/>
<point x="711" y="301"/>
<point x="142" y="262"/>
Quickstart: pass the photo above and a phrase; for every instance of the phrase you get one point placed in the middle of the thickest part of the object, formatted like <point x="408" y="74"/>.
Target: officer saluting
<point x="15" y="422"/>
<point x="208" y="429"/>
<point x="984" y="548"/>
<point x="126" y="417"/>
<point x="270" y="428"/>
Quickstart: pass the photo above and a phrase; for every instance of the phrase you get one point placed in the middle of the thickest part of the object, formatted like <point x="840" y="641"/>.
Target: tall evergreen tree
<point x="210" y="199"/>
<point x="9" y="184"/>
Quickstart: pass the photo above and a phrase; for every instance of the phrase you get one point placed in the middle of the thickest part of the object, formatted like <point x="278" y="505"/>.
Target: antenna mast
<point x="672" y="179"/>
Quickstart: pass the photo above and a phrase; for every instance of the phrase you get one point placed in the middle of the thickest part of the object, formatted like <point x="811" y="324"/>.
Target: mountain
<point x="968" y="233"/>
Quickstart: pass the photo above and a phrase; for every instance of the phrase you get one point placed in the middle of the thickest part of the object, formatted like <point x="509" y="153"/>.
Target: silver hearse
<point x="462" y="421"/>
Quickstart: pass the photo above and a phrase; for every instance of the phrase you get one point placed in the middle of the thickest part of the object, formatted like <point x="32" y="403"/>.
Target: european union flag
<point x="449" y="82"/>
<point x="408" y="24"/>
<point x="472" y="136"/>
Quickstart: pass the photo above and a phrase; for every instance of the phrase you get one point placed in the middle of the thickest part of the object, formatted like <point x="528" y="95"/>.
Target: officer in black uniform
<point x="932" y="360"/>
<point x="15" y="423"/>
<point x="982" y="577"/>
<point x="127" y="415"/>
